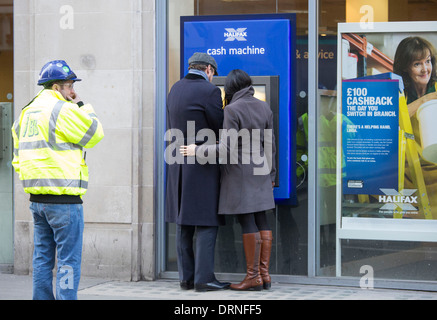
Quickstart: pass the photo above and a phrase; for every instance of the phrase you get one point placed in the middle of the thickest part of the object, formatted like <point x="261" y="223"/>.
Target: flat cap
<point x="203" y="58"/>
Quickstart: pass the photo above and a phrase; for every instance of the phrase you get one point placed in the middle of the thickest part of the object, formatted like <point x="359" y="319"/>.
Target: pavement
<point x="17" y="287"/>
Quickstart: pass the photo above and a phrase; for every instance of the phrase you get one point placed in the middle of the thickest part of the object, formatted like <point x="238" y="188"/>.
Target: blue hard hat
<point x="56" y="70"/>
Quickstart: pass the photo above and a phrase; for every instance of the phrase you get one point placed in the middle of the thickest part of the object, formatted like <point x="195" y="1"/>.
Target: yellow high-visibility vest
<point x="49" y="137"/>
<point x="327" y="148"/>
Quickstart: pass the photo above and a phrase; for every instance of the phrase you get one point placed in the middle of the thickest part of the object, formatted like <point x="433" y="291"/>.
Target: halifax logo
<point x="240" y="34"/>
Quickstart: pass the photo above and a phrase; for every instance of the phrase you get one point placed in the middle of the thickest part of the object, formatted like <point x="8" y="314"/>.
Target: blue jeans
<point x="57" y="227"/>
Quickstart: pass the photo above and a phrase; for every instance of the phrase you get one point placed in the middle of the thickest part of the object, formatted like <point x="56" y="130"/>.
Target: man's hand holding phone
<point x="74" y="98"/>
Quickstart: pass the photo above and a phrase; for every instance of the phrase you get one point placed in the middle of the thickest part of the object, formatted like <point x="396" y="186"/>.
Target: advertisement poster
<point x="370" y="136"/>
<point x="388" y="151"/>
<point x="261" y="45"/>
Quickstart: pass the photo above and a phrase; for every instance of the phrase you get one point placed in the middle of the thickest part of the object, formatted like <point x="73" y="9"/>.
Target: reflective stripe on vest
<point x="32" y="183"/>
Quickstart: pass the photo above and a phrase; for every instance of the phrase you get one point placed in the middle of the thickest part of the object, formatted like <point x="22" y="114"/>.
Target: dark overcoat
<point x="247" y="163"/>
<point x="192" y="189"/>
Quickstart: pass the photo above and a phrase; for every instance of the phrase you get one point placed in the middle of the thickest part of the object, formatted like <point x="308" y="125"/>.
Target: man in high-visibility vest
<point x="49" y="137"/>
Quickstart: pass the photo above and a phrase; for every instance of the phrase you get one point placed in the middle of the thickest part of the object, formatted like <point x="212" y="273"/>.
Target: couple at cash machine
<point x="198" y="195"/>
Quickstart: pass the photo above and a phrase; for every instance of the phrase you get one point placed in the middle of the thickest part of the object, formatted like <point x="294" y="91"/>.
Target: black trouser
<point x="199" y="266"/>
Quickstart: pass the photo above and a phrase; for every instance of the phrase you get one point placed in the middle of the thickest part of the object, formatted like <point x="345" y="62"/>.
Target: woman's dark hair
<point x="235" y="81"/>
<point x="409" y="50"/>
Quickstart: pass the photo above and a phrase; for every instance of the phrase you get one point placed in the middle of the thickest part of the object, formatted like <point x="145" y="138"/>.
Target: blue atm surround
<point x="263" y="46"/>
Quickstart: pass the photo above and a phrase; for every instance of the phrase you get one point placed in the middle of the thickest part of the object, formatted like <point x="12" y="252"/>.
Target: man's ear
<point x="56" y="87"/>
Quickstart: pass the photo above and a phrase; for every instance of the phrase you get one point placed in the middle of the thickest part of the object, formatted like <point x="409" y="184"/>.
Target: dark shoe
<point x="212" y="286"/>
<point x="187" y="285"/>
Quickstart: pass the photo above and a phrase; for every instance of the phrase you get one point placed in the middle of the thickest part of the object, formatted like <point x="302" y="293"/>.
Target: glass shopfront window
<point x="6" y="147"/>
<point x="384" y="185"/>
<point x="342" y="246"/>
<point x="289" y="222"/>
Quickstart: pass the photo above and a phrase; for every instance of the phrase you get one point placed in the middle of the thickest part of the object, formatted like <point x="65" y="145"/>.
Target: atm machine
<point x="272" y="68"/>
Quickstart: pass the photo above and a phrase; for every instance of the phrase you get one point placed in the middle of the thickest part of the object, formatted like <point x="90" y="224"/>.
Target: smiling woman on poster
<point x="415" y="60"/>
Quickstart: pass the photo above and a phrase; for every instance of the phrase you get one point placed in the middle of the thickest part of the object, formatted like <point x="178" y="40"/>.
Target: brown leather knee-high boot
<point x="252" y="251"/>
<point x="266" y="249"/>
